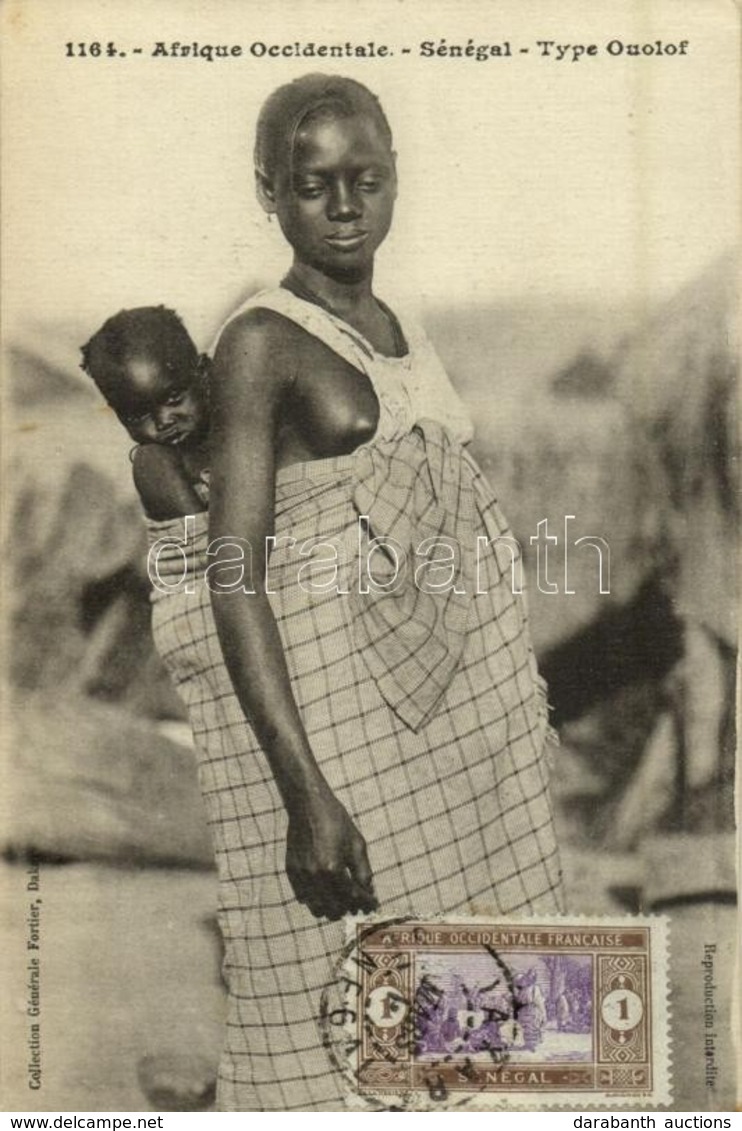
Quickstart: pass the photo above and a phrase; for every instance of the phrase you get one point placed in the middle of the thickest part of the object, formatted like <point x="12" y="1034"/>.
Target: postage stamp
<point x="484" y="1013"/>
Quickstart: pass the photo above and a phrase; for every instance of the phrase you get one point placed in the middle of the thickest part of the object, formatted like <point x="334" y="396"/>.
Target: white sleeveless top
<point x="409" y="388"/>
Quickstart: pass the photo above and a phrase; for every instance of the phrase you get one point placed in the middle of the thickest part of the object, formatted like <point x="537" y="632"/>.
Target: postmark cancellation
<point x="493" y="1013"/>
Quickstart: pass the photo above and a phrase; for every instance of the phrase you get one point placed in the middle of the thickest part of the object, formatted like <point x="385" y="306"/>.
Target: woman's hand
<point x="326" y="858"/>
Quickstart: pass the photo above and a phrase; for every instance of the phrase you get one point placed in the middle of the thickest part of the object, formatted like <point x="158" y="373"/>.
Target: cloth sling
<point x="421" y="700"/>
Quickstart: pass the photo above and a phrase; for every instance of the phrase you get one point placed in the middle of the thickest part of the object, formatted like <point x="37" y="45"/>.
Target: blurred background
<point x="630" y="422"/>
<point x="568" y="239"/>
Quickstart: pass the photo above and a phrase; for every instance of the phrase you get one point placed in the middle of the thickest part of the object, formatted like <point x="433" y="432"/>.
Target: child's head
<point x="148" y="369"/>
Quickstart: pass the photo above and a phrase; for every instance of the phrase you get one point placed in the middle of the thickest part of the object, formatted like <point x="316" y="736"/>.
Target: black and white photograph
<point x="370" y="532"/>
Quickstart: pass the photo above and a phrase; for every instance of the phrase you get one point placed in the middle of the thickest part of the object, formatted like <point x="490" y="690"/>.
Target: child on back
<point x="149" y="371"/>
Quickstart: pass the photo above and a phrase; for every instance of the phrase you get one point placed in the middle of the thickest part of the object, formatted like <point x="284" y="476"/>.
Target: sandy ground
<point x="130" y="967"/>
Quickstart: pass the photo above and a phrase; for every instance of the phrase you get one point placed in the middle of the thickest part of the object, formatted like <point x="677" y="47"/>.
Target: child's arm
<point x="162" y="484"/>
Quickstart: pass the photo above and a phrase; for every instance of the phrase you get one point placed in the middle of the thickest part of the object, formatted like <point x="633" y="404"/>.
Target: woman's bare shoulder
<point x="269" y="340"/>
<point x="262" y="334"/>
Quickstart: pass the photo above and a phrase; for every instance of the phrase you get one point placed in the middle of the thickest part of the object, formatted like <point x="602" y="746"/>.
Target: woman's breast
<point x="331" y="412"/>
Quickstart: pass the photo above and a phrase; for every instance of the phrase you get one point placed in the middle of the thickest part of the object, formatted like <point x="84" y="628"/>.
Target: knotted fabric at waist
<point x="413" y="504"/>
<point x="416" y="495"/>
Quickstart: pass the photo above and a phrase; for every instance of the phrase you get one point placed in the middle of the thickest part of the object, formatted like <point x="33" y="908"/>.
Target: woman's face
<point x="335" y="205"/>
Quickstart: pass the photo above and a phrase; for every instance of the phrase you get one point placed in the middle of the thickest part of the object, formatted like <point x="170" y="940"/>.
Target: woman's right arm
<point x="326" y="858"/>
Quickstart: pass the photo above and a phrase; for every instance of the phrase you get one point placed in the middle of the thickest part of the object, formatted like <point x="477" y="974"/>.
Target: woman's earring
<point x="270" y="217"/>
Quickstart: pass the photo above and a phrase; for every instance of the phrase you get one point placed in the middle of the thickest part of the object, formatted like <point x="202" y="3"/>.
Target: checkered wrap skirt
<point x="423" y="708"/>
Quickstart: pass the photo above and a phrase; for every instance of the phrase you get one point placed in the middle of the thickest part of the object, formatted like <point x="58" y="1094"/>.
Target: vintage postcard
<point x="424" y="315"/>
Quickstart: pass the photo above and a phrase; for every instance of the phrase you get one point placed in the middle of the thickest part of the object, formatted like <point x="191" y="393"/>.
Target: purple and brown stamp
<point x="495" y="1013"/>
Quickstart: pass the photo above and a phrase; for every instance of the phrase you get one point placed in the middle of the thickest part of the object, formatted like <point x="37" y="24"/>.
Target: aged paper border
<point x="35" y="33"/>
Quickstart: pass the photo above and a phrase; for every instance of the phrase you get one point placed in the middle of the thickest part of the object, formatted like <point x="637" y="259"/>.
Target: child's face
<point x="337" y="207"/>
<point x="159" y="405"/>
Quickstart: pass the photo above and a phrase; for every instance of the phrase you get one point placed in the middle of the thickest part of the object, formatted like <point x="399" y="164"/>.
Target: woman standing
<point x="394" y="751"/>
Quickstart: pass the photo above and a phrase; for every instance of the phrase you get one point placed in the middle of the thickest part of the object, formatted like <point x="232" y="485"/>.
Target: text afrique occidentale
<point x="431" y="49"/>
<point x="427" y="49"/>
<point x="435" y="565"/>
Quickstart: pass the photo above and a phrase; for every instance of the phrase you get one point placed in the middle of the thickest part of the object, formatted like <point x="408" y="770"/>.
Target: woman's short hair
<point x="291" y="105"/>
